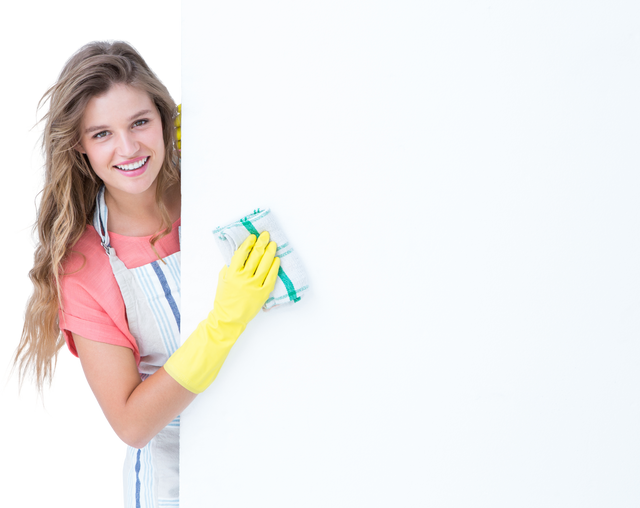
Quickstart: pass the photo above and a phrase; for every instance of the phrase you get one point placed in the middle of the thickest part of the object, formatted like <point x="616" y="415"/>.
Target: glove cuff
<point x="197" y="362"/>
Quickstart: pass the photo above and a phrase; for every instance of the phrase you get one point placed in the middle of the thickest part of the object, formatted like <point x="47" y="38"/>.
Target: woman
<point x="107" y="268"/>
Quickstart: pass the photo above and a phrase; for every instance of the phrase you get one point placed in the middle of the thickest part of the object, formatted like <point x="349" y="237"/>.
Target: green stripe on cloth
<point x="289" y="285"/>
<point x="247" y="224"/>
<point x="291" y="290"/>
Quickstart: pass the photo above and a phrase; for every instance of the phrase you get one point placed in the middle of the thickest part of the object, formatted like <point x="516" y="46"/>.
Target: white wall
<point x="461" y="181"/>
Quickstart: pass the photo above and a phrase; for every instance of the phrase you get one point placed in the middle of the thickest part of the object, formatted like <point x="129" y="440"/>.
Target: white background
<point x="461" y="181"/>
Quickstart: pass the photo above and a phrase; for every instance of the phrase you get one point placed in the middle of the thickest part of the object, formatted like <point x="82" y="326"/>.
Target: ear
<point x="79" y="148"/>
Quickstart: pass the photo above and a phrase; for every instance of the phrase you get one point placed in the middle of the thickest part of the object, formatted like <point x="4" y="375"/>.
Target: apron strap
<point x="100" y="219"/>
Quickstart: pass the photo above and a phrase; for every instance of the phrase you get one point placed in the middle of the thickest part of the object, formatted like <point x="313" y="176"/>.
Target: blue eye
<point x="137" y="123"/>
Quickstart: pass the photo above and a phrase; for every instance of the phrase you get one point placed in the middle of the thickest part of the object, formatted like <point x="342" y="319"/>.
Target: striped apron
<point x="151" y="295"/>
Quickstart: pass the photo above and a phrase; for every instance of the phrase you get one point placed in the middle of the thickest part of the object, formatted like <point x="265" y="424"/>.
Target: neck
<point x="133" y="207"/>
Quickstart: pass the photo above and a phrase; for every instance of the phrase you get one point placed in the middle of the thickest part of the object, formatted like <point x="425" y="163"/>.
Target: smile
<point x="133" y="166"/>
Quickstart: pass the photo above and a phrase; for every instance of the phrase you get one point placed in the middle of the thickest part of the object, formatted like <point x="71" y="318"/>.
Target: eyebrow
<point x="131" y="118"/>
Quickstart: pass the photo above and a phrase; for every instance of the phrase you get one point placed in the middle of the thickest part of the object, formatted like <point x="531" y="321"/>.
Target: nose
<point x="127" y="144"/>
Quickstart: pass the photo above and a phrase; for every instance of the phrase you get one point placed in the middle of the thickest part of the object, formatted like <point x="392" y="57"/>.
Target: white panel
<point x="461" y="182"/>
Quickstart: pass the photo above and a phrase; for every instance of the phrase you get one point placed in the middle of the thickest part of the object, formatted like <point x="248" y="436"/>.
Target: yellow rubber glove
<point x="177" y="122"/>
<point x="243" y="287"/>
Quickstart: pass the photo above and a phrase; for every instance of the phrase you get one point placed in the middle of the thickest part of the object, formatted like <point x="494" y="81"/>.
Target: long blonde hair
<point x="70" y="189"/>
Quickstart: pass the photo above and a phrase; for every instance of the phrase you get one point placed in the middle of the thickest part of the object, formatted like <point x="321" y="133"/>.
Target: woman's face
<point x="121" y="133"/>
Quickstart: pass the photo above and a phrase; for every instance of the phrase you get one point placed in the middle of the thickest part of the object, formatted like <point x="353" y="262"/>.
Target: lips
<point x="133" y="164"/>
<point x="135" y="167"/>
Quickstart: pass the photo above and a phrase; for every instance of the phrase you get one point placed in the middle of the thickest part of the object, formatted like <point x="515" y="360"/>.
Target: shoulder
<point x="86" y="255"/>
<point x="86" y="272"/>
<point x="92" y="304"/>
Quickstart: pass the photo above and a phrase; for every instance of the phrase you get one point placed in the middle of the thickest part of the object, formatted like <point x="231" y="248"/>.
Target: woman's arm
<point x="135" y="410"/>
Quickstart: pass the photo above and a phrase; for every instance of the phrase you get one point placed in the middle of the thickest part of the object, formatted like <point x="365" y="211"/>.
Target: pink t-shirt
<point x="92" y="303"/>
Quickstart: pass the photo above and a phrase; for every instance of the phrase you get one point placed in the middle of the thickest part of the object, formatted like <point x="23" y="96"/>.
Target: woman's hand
<point x="243" y="288"/>
<point x="245" y="285"/>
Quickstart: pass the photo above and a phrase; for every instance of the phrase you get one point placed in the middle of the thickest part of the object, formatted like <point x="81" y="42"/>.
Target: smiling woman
<point x="126" y="152"/>
<point x="106" y="273"/>
<point x="106" y="107"/>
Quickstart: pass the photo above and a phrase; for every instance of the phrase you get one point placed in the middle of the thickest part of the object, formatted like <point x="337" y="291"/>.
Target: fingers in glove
<point x="256" y="254"/>
<point x="265" y="263"/>
<point x="242" y="253"/>
<point x="270" y="281"/>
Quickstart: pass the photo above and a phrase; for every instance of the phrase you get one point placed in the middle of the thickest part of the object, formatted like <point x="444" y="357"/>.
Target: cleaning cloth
<point x="291" y="284"/>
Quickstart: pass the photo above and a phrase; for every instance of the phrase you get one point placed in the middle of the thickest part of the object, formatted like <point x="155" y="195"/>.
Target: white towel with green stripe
<point x="291" y="284"/>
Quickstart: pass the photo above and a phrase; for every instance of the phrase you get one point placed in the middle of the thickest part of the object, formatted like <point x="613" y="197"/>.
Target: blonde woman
<point x="106" y="272"/>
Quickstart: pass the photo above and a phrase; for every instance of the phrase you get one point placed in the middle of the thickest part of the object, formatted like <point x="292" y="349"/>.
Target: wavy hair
<point x="68" y="198"/>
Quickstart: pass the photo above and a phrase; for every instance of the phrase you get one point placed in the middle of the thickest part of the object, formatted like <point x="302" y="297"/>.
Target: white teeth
<point x="135" y="165"/>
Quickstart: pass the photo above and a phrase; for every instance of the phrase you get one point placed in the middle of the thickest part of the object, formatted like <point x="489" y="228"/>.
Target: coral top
<point x="92" y="303"/>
